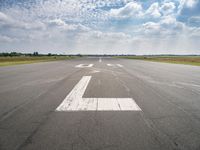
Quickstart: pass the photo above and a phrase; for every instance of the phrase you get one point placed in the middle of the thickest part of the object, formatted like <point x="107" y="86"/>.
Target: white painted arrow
<point x="75" y="102"/>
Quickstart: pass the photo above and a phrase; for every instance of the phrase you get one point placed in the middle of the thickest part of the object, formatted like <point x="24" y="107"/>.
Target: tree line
<point x="14" y="54"/>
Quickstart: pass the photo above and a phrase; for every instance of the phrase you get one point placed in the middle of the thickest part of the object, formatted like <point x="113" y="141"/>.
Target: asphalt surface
<point x="167" y="94"/>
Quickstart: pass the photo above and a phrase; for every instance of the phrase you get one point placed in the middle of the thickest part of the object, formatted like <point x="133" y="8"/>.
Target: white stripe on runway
<point x="115" y="65"/>
<point x="74" y="98"/>
<point x="75" y="102"/>
<point x="128" y="104"/>
<point x="119" y="65"/>
<point x="100" y="59"/>
<point x="84" y="65"/>
<point x="110" y="65"/>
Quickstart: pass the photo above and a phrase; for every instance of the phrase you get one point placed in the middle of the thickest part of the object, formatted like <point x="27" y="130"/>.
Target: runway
<point x="96" y="103"/>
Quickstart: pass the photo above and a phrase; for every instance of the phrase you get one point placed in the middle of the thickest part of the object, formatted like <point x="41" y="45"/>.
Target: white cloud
<point x="186" y="4"/>
<point x="85" y="26"/>
<point x="109" y="35"/>
<point x="168" y="8"/>
<point x="151" y="27"/>
<point x="156" y="10"/>
<point x="132" y="9"/>
<point x="6" y="39"/>
<point x="62" y="25"/>
<point x="168" y="20"/>
<point x="3" y="17"/>
<point x="167" y="27"/>
<point x="153" y="10"/>
<point x="194" y="20"/>
<point x="190" y="3"/>
<point x="57" y="22"/>
<point x="195" y="32"/>
<point x="9" y="22"/>
<point x="5" y="20"/>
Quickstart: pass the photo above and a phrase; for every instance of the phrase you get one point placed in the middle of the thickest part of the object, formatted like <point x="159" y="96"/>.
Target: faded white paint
<point x="100" y="59"/>
<point x="75" y="101"/>
<point x="84" y="65"/>
<point x="115" y="65"/>
<point x="119" y="65"/>
<point x="94" y="71"/>
<point x="110" y="65"/>
<point x="74" y="98"/>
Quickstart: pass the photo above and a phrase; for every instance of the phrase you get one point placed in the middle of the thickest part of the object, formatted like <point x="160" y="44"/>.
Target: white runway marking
<point x="94" y="71"/>
<point x="74" y="98"/>
<point x="100" y="59"/>
<point x="115" y="65"/>
<point x="119" y="65"/>
<point x="110" y="65"/>
<point x="75" y="102"/>
<point x="84" y="65"/>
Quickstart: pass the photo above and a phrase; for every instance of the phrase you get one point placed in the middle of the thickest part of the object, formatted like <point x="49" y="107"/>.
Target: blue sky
<point x="100" y="27"/>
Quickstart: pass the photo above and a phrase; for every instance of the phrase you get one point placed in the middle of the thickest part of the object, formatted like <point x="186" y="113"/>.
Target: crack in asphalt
<point x="84" y="131"/>
<point x="31" y="135"/>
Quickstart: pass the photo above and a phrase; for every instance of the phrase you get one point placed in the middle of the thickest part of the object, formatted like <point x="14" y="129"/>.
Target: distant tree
<point x="13" y="54"/>
<point x="79" y="55"/>
<point x="35" y="53"/>
<point x="4" y="54"/>
<point x="49" y="54"/>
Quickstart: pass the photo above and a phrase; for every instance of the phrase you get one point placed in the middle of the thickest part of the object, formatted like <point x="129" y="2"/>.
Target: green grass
<point x="7" y="61"/>
<point x="186" y="60"/>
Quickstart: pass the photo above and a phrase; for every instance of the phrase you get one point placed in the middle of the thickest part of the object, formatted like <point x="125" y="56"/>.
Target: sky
<point x="100" y="26"/>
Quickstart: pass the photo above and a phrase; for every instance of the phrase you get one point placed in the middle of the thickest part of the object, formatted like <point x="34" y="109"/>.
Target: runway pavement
<point x="100" y="104"/>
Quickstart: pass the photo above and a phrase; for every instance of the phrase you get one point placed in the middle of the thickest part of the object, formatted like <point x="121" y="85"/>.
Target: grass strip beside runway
<point x="187" y="60"/>
<point x="16" y="60"/>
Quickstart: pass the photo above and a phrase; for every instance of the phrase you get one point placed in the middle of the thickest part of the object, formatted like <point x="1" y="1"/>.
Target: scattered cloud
<point x="5" y="39"/>
<point x="123" y="26"/>
<point x="168" y="8"/>
<point x="194" y="20"/>
<point x="9" y="22"/>
<point x="132" y="9"/>
<point x="190" y="3"/>
<point x="153" y="10"/>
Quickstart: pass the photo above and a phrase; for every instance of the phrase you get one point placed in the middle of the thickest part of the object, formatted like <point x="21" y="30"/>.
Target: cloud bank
<point x="100" y="27"/>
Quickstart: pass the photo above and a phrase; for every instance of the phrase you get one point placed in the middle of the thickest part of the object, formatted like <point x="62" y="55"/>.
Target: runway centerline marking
<point x="119" y="65"/>
<point x="84" y="65"/>
<point x="74" y="101"/>
<point x="100" y="60"/>
<point x="115" y="65"/>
